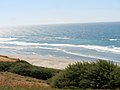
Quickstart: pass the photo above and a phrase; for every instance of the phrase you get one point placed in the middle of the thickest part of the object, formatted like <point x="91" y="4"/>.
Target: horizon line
<point x="17" y="25"/>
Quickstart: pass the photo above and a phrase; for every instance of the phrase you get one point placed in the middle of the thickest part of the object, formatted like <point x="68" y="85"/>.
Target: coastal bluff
<point x="4" y="58"/>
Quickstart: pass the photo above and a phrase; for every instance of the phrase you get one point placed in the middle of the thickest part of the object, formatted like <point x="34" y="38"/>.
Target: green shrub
<point x="26" y="69"/>
<point x="103" y="73"/>
<point x="20" y="68"/>
<point x="4" y="66"/>
<point x="99" y="75"/>
<point x="22" y="61"/>
<point x="115" y="78"/>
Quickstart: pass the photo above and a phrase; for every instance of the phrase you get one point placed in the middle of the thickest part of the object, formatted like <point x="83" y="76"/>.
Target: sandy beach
<point x="44" y="61"/>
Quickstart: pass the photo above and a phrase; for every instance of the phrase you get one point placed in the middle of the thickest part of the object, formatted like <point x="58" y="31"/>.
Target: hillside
<point x="8" y="59"/>
<point x="16" y="74"/>
<point x="10" y="81"/>
<point x="101" y="74"/>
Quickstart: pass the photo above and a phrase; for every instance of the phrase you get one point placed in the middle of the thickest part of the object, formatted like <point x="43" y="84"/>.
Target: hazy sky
<point x="25" y="12"/>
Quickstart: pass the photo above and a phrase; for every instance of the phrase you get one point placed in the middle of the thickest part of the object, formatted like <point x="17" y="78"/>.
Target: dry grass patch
<point x="14" y="80"/>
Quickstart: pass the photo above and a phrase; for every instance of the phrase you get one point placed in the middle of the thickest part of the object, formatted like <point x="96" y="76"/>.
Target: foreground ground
<point x="78" y="76"/>
<point x="10" y="81"/>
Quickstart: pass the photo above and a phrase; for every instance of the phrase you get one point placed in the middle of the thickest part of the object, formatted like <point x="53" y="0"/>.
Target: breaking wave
<point x="112" y="49"/>
<point x="113" y="39"/>
<point x="7" y="39"/>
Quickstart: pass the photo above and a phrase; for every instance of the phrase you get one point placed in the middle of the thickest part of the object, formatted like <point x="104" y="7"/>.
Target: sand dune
<point x="8" y="59"/>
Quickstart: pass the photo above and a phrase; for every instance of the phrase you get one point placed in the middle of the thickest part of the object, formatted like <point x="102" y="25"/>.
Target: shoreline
<point x="44" y="61"/>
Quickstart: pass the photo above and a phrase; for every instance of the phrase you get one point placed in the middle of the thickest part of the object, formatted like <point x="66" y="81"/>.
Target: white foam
<point x="102" y="48"/>
<point x="90" y="47"/>
<point x="58" y="49"/>
<point x="62" y="48"/>
<point x="72" y="53"/>
<point x="83" y="55"/>
<point x="91" y="56"/>
<point x="113" y="39"/>
<point x="20" y="43"/>
<point x="7" y="39"/>
<point x="76" y="54"/>
<point x="38" y="44"/>
<point x="33" y="53"/>
<point x="62" y="38"/>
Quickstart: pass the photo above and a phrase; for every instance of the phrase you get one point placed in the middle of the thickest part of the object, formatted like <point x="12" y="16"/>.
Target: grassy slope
<point x="10" y="81"/>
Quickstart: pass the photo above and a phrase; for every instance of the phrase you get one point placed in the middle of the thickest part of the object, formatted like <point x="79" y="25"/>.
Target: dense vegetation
<point x="99" y="75"/>
<point x="26" y="69"/>
<point x="95" y="75"/>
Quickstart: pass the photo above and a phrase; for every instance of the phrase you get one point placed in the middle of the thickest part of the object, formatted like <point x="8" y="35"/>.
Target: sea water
<point x="81" y="41"/>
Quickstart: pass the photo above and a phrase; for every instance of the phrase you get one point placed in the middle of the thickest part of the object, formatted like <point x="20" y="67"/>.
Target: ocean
<point x="80" y="41"/>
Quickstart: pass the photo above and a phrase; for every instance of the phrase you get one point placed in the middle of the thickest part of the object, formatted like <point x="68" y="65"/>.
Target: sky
<point x="32" y="12"/>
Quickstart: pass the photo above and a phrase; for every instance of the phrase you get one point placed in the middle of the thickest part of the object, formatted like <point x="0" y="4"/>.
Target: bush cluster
<point x="5" y="66"/>
<point x="99" y="75"/>
<point x="26" y="69"/>
<point x="81" y="75"/>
